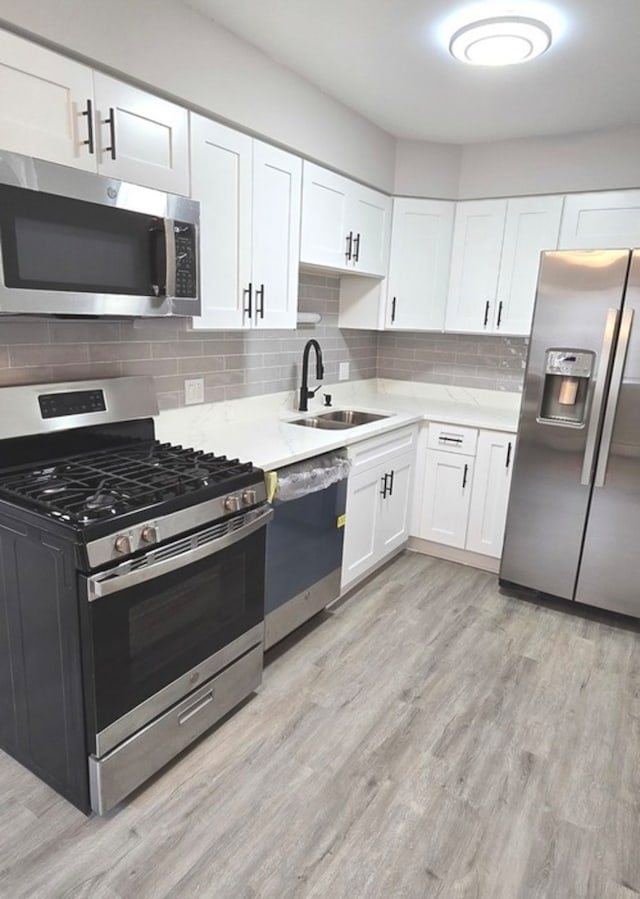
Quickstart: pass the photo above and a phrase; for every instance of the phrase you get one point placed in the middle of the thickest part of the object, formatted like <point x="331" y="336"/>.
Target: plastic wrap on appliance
<point x="312" y="475"/>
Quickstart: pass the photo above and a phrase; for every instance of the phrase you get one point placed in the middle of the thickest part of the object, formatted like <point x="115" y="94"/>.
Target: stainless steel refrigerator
<point x="573" y="524"/>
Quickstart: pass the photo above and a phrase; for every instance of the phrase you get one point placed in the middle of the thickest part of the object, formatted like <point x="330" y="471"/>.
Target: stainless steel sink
<point x="338" y="419"/>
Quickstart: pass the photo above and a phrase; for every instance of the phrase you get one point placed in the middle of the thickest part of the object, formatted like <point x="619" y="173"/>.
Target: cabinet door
<point x="221" y="161"/>
<point x="277" y="180"/>
<point x="370" y="218"/>
<point x="361" y="546"/>
<point x="421" y="237"/>
<point x="395" y="510"/>
<point x="447" y="493"/>
<point x="44" y="98"/>
<point x="531" y="226"/>
<point x="608" y="220"/>
<point x="148" y="136"/>
<point x="490" y="493"/>
<point x="475" y="264"/>
<point x="324" y="231"/>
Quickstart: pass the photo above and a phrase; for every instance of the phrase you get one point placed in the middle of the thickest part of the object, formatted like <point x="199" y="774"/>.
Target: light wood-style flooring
<point x="428" y="739"/>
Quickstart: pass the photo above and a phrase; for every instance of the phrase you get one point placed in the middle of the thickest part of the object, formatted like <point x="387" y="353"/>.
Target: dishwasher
<point x="304" y="542"/>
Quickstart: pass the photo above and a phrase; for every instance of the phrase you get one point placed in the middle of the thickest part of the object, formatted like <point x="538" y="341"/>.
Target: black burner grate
<point x="101" y="485"/>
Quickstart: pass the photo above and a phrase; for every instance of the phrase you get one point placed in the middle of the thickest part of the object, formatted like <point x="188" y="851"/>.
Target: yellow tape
<point x="341" y="520"/>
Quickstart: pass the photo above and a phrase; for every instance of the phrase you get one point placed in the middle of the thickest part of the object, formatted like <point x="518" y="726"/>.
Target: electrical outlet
<point x="194" y="391"/>
<point x="343" y="371"/>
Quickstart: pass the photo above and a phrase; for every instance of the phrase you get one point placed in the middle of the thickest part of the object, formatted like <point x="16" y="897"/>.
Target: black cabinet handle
<point x="349" y="245"/>
<point x="499" y="314"/>
<point x="383" y="492"/>
<point x="356" y="248"/>
<point x="260" y="308"/>
<point x="111" y="122"/>
<point x="456" y="441"/>
<point x="486" y="313"/>
<point x="393" y="310"/>
<point x="89" y="142"/>
<point x="248" y="292"/>
<point x="464" y="476"/>
<point x="391" y="476"/>
<point x="508" y="462"/>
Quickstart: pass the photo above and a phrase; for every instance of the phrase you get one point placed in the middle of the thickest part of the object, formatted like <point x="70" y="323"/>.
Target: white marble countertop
<point x="259" y="428"/>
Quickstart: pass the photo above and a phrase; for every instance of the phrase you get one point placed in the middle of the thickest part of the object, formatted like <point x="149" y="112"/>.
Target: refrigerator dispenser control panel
<point x="570" y="363"/>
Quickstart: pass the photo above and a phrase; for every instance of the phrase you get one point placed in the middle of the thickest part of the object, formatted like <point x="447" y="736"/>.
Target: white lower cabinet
<point x="465" y="488"/>
<point x="490" y="493"/>
<point x="379" y="495"/>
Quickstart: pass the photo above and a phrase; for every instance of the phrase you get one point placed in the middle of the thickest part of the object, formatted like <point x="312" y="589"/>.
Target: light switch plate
<point x="194" y="391"/>
<point x="343" y="371"/>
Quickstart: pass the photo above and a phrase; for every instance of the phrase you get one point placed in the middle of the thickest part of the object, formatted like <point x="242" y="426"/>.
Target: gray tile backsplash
<point x="464" y="360"/>
<point x="236" y="364"/>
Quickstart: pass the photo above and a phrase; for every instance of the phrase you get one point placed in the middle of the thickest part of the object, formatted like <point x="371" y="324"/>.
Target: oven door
<point x="158" y="627"/>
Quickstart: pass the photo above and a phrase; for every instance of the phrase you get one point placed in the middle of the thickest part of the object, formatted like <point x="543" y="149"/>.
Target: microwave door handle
<point x="614" y="394"/>
<point x="105" y="583"/>
<point x="598" y="396"/>
<point x="170" y="257"/>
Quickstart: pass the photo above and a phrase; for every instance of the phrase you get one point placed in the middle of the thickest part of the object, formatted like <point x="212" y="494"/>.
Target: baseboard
<point x="451" y="554"/>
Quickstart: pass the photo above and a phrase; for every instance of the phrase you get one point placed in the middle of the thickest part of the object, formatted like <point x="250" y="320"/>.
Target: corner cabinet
<point x="605" y="220"/>
<point x="379" y="494"/>
<point x="494" y="262"/>
<point x="345" y="225"/>
<point x="57" y="109"/>
<point x="249" y="194"/>
<point x="421" y="235"/>
<point x="465" y="486"/>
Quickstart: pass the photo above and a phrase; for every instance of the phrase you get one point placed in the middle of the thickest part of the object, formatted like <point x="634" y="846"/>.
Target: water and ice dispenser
<point x="567" y="375"/>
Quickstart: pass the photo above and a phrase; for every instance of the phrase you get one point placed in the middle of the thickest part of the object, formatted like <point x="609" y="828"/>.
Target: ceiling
<point x="388" y="60"/>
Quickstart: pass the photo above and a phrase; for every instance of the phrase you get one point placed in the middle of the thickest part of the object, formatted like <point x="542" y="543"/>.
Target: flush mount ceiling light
<point x="500" y="41"/>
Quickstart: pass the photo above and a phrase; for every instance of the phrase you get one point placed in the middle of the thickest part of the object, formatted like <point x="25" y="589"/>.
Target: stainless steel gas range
<point x="131" y="587"/>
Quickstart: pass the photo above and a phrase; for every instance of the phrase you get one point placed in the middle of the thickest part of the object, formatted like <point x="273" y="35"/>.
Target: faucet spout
<point x="305" y="393"/>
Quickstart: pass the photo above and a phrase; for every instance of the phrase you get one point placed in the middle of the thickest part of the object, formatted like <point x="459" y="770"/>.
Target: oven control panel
<point x="76" y="402"/>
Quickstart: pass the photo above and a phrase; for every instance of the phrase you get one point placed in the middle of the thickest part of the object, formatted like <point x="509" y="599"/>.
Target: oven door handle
<point x="104" y="583"/>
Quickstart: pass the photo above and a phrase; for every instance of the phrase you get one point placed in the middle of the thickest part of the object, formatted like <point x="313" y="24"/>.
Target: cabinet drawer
<point x="377" y="450"/>
<point x="453" y="438"/>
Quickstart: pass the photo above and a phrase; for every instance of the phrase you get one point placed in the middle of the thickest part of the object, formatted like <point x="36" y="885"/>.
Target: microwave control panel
<point x="185" y="237"/>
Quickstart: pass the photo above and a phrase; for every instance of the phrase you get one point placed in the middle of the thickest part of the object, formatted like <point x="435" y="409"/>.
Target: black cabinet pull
<point x="89" y="142"/>
<point x="486" y="313"/>
<point x="248" y="292"/>
<point x="393" y="310"/>
<point x="383" y="492"/>
<point x="356" y="248"/>
<point x="111" y="122"/>
<point x="260" y="308"/>
<point x="508" y="462"/>
<point x="499" y="314"/>
<point x="391" y="476"/>
<point x="464" y="476"/>
<point x="456" y="441"/>
<point x="349" y="245"/>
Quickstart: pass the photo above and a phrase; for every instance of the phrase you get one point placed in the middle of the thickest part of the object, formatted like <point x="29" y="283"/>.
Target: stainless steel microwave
<point x="75" y="243"/>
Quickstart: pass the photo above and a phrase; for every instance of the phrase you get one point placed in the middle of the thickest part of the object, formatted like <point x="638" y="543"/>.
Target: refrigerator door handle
<point x="614" y="393"/>
<point x="598" y="396"/>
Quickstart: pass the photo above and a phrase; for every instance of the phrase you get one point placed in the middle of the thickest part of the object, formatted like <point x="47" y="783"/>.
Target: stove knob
<point x="249" y="497"/>
<point x="232" y="504"/>
<point x="122" y="544"/>
<point x="149" y="534"/>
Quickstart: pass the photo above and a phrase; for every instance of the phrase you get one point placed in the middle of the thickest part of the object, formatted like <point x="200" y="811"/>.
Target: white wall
<point x="602" y="160"/>
<point x="166" y="45"/>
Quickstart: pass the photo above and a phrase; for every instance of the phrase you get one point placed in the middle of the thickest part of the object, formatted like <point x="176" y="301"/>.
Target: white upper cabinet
<point x="421" y="235"/>
<point x="475" y="264"/>
<point x="345" y="226"/>
<point x="495" y="261"/>
<point x="532" y="226"/>
<point x="221" y="162"/>
<point x="277" y="178"/>
<point x="607" y="220"/>
<point x="249" y="194"/>
<point x="141" y="138"/>
<point x="45" y="104"/>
